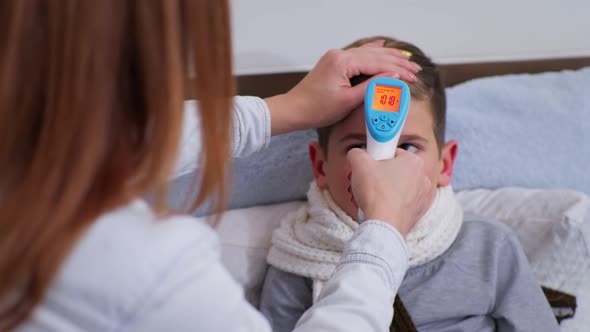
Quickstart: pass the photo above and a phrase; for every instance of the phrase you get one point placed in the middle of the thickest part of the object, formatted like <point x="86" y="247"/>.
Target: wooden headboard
<point x="272" y="84"/>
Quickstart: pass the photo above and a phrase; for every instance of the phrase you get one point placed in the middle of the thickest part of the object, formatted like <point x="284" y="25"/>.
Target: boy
<point x="466" y="274"/>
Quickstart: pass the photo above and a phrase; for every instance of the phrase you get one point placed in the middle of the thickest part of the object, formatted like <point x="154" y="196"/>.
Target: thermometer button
<point x="375" y="120"/>
<point x="391" y="122"/>
<point x="383" y="127"/>
<point x="384" y="117"/>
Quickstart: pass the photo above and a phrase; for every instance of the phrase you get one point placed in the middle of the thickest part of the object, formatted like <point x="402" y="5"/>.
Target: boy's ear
<point x="448" y="155"/>
<point x="318" y="161"/>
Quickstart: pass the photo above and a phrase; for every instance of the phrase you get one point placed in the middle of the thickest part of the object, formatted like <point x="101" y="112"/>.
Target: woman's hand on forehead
<point x="325" y="96"/>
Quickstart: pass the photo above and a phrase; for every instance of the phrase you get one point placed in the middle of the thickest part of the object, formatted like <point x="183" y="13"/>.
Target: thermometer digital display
<point x="387" y="98"/>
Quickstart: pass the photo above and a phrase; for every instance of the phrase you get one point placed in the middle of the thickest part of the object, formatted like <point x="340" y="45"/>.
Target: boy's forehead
<point x="353" y="122"/>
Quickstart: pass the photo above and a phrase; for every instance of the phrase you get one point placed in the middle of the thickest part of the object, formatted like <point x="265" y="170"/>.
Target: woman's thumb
<point x="357" y="158"/>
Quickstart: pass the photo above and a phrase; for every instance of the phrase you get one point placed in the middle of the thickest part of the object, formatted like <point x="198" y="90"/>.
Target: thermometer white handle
<point x="381" y="151"/>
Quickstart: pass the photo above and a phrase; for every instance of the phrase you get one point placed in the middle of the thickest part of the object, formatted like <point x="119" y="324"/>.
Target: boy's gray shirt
<point x="483" y="282"/>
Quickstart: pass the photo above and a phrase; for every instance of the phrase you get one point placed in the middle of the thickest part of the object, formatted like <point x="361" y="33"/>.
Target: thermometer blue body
<point x="387" y="101"/>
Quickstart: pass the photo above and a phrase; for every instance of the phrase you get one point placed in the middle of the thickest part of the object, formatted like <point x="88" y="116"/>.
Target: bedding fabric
<point x="553" y="227"/>
<point x="522" y="130"/>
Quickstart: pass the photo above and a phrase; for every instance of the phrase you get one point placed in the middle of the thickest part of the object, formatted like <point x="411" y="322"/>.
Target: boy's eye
<point x="409" y="147"/>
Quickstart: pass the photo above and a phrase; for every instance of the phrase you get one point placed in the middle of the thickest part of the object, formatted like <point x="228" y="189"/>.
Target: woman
<point x="91" y="94"/>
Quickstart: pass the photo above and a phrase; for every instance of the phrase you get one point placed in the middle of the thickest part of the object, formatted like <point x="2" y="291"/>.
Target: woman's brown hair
<point x="91" y="110"/>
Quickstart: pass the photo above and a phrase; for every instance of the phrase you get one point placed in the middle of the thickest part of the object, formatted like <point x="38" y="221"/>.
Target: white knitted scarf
<point x="310" y="241"/>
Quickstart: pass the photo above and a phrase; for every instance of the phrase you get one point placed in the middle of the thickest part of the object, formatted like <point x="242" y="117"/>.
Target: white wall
<point x="284" y="36"/>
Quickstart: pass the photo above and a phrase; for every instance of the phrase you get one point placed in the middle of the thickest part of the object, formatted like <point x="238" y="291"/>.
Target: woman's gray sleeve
<point x="251" y="126"/>
<point x="251" y="132"/>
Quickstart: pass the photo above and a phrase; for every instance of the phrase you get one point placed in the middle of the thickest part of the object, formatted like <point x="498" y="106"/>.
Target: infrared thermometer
<point x="387" y="102"/>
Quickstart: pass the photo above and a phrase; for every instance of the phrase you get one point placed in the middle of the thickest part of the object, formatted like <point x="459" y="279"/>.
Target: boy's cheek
<point x="341" y="189"/>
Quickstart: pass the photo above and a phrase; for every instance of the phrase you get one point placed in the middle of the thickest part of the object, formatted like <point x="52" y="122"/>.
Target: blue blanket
<point x="522" y="130"/>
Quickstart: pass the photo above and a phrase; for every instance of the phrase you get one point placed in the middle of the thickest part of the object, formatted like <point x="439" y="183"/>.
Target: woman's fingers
<point x="377" y="61"/>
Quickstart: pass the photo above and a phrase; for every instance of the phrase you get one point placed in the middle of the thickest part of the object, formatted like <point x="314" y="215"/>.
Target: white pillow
<point x="553" y="227"/>
<point x="245" y="236"/>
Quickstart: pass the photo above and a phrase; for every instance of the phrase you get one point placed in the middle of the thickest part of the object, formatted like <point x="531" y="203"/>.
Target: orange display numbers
<point x="386" y="98"/>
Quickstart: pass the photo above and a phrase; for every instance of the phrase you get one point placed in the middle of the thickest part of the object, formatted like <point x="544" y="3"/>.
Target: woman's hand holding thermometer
<point x="387" y="102"/>
<point x="395" y="191"/>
